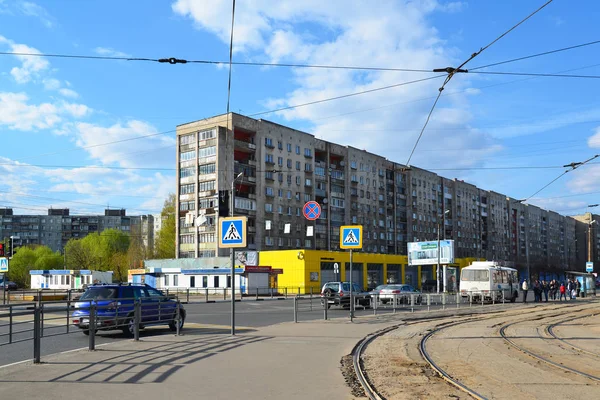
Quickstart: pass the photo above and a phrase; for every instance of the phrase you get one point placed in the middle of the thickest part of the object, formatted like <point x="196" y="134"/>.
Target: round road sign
<point x="311" y="210"/>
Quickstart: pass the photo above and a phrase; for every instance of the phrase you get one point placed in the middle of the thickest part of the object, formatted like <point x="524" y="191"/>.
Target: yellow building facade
<point x="305" y="271"/>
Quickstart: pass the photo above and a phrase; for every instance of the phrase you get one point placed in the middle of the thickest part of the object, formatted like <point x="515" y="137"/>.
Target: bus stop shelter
<point x="587" y="280"/>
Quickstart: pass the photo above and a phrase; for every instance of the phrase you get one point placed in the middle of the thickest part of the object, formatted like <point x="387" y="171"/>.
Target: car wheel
<point x="129" y="327"/>
<point x="173" y="323"/>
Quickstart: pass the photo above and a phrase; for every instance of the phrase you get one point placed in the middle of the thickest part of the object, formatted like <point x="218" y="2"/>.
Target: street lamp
<point x="12" y="248"/>
<point x="590" y="238"/>
<point x="439" y="252"/>
<point x="232" y="255"/>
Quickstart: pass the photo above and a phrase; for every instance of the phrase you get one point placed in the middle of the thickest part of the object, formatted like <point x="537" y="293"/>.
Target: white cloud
<point x="585" y="179"/>
<point x="107" y="51"/>
<point x="127" y="153"/>
<point x="34" y="10"/>
<point x="31" y="66"/>
<point x="51" y="84"/>
<point x="357" y="33"/>
<point x="17" y="112"/>
<point x="594" y="140"/>
<point x="68" y="93"/>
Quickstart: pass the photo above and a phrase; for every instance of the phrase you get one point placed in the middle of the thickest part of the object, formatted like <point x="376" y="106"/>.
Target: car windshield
<point x="99" y="293"/>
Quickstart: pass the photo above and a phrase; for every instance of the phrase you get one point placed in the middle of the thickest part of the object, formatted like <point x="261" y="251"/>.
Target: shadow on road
<point x="153" y="362"/>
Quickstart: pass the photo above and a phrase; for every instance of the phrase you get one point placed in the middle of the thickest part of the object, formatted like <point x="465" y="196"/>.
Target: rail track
<point x="550" y="331"/>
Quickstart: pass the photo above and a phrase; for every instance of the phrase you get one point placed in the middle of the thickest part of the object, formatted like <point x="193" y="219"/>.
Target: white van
<point x="489" y="280"/>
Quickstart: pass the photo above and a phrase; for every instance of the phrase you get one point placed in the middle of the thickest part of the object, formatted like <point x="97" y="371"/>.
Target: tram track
<point x="372" y="393"/>
<point x="550" y="331"/>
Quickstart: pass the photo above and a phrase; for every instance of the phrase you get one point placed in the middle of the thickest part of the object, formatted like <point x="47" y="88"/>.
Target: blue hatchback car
<point x="115" y="308"/>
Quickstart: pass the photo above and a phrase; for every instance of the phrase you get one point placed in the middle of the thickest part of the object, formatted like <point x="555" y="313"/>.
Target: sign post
<point x="3" y="270"/>
<point x="351" y="238"/>
<point x="232" y="234"/>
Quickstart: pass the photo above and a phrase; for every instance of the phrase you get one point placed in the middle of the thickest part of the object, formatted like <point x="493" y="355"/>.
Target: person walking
<point x="578" y="287"/>
<point x="545" y="289"/>
<point x="570" y="289"/>
<point x="525" y="288"/>
<point x="537" y="291"/>
<point x="563" y="291"/>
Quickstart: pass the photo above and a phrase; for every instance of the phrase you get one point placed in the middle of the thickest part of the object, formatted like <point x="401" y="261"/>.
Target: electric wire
<point x="452" y="71"/>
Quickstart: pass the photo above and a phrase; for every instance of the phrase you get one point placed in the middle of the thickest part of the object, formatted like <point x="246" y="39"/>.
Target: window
<point x="269" y="191"/>
<point x="307" y="243"/>
<point x="268" y="142"/>
<point x="289" y="179"/>
<point x="337" y="202"/>
<point x="288" y="195"/>
<point x="307" y="152"/>
<point x="269" y="158"/>
<point x="297" y="211"/>
<point x="187" y="189"/>
<point x="207" y="169"/>
<point x="167" y="280"/>
<point x="289" y="163"/>
<point x="207" y="202"/>
<point x="279" y="145"/>
<point x="289" y="210"/>
<point x="209" y="134"/>
<point x="206" y="238"/>
<point x="269" y="207"/>
<point x="205" y="281"/>
<point x="186" y="239"/>
<point x="269" y="175"/>
<point x="298" y="180"/>
<point x="268" y="241"/>
<point x="175" y="280"/>
<point x="306" y="197"/>
<point x="187" y="139"/>
<point x="216" y="281"/>
<point x="280" y="193"/>
<point x="207" y="151"/>
<point x="353" y="164"/>
<point x="280" y="209"/>
<point x="320" y="171"/>
<point x="298" y="165"/>
<point x="187" y="205"/>
<point x="280" y="161"/>
<point x="289" y="147"/>
<point x="297" y="149"/>
<point x="307" y="182"/>
<point x="308" y="167"/>
<point x="205" y="186"/>
<point x="188" y="155"/>
<point x="280" y="177"/>
<point x="187" y="172"/>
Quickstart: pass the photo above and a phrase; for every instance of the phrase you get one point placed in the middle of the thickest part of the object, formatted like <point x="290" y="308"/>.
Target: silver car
<point x="399" y="293"/>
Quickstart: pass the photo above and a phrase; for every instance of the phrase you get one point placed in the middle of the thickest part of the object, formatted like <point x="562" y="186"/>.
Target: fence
<point x="391" y="303"/>
<point x="36" y="320"/>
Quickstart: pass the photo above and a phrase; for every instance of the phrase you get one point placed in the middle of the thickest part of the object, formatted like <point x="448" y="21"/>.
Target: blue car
<point x="115" y="308"/>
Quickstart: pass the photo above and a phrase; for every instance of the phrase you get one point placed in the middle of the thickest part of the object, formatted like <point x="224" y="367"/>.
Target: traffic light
<point x="1" y="249"/>
<point x="7" y="249"/>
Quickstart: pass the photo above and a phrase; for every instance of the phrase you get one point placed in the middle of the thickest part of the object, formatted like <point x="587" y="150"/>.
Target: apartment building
<point x="283" y="168"/>
<point x="587" y="244"/>
<point x="58" y="227"/>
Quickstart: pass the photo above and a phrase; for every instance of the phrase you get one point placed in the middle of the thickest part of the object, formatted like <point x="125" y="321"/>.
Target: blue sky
<point x="57" y="114"/>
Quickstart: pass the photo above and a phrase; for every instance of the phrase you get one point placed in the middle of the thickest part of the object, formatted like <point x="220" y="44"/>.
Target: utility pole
<point x="439" y="253"/>
<point x="232" y="255"/>
<point x="590" y="252"/>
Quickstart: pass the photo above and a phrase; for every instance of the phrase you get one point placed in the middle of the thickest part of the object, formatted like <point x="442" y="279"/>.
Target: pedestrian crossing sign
<point x="351" y="237"/>
<point x="3" y="264"/>
<point x="232" y="232"/>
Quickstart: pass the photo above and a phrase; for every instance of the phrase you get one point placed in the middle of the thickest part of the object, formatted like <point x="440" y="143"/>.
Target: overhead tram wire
<point x="451" y="71"/>
<point x="573" y="166"/>
<point x="535" y="55"/>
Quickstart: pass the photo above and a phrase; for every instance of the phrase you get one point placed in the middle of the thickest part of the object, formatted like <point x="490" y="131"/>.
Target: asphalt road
<point x="200" y="316"/>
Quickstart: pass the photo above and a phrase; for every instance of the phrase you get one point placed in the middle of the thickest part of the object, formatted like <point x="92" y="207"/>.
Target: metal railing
<point x="56" y="318"/>
<point x="28" y="295"/>
<point x="391" y="303"/>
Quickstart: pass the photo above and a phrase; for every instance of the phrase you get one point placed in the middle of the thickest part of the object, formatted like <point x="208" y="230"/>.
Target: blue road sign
<point x="311" y="210"/>
<point x="351" y="237"/>
<point x="3" y="264"/>
<point x="589" y="266"/>
<point x="232" y="232"/>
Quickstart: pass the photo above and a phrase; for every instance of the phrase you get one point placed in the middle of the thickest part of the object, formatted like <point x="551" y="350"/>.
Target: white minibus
<point x="489" y="280"/>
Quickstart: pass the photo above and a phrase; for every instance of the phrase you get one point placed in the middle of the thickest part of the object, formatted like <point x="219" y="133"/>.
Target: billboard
<point x="425" y="253"/>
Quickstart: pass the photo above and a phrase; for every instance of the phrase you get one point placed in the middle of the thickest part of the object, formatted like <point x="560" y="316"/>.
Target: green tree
<point x="32" y="257"/>
<point x="165" y="242"/>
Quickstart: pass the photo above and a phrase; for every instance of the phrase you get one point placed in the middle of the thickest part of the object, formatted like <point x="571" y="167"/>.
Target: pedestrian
<point x="525" y="288"/>
<point x="578" y="287"/>
<point x="570" y="289"/>
<point x="551" y="288"/>
<point x="537" y="291"/>
<point x="555" y="289"/>
<point x="545" y="289"/>
<point x="563" y="291"/>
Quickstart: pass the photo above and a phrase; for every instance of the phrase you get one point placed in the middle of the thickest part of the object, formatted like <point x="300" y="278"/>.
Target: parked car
<point x="10" y="285"/>
<point x="377" y="290"/>
<point x="338" y="294"/>
<point x="402" y="294"/>
<point x="115" y="308"/>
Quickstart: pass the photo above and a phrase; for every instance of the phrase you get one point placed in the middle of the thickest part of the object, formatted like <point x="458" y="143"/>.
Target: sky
<point x="91" y="134"/>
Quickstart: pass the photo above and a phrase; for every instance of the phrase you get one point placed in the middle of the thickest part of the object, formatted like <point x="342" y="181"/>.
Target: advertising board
<point x="426" y="253"/>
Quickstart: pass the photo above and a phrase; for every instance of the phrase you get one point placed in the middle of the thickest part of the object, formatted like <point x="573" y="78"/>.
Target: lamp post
<point x="439" y="253"/>
<point x="232" y="255"/>
<point x="12" y="247"/>
<point x="590" y="238"/>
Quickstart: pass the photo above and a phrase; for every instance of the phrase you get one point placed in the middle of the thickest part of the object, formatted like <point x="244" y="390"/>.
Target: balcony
<point x="244" y="146"/>
<point x="320" y="192"/>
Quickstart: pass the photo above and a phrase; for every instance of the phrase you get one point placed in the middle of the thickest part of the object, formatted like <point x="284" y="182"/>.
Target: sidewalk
<point x="295" y="361"/>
